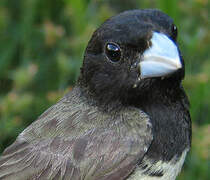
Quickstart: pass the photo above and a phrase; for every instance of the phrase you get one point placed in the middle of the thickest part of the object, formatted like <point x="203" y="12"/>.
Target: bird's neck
<point x="160" y="92"/>
<point x="102" y="101"/>
<point x="168" y="109"/>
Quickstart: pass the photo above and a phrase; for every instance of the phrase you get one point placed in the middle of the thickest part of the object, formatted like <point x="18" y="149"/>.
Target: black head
<point x="113" y="70"/>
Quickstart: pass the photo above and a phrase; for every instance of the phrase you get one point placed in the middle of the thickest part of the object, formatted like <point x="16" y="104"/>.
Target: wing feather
<point x="78" y="142"/>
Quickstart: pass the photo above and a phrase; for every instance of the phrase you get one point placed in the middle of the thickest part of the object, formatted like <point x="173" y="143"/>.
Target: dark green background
<point x="41" y="50"/>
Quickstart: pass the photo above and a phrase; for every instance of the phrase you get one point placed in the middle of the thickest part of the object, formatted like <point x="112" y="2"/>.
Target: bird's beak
<point x="161" y="59"/>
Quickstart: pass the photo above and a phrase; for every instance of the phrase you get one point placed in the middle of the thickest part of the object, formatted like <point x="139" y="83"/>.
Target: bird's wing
<point x="81" y="151"/>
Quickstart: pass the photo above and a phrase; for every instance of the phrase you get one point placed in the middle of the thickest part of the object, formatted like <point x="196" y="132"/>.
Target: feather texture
<point x="59" y="146"/>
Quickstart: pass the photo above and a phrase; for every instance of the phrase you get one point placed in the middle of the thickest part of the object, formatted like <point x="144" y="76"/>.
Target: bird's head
<point x="129" y="54"/>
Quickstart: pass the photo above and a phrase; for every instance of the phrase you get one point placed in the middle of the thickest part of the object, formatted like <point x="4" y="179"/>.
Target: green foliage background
<point x="41" y="50"/>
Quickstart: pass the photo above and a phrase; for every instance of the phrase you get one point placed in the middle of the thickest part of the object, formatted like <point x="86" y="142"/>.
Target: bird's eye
<point x="113" y="52"/>
<point x="174" y="31"/>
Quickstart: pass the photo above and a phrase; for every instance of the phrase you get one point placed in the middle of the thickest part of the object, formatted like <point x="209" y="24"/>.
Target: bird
<point x="127" y="117"/>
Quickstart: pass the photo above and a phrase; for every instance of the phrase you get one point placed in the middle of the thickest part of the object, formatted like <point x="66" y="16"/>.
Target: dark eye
<point x="113" y="52"/>
<point x="174" y="31"/>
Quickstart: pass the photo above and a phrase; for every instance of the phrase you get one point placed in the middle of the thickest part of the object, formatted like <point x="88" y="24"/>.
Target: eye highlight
<point x="113" y="52"/>
<point x="174" y="31"/>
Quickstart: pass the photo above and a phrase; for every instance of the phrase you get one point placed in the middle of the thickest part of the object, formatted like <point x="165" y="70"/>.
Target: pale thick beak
<point x="161" y="59"/>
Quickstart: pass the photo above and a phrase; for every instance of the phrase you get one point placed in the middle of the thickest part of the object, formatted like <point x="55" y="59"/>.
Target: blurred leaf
<point x="170" y="8"/>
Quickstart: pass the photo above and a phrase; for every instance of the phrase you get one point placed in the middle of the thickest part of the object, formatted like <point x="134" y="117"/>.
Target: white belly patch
<point x="170" y="170"/>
